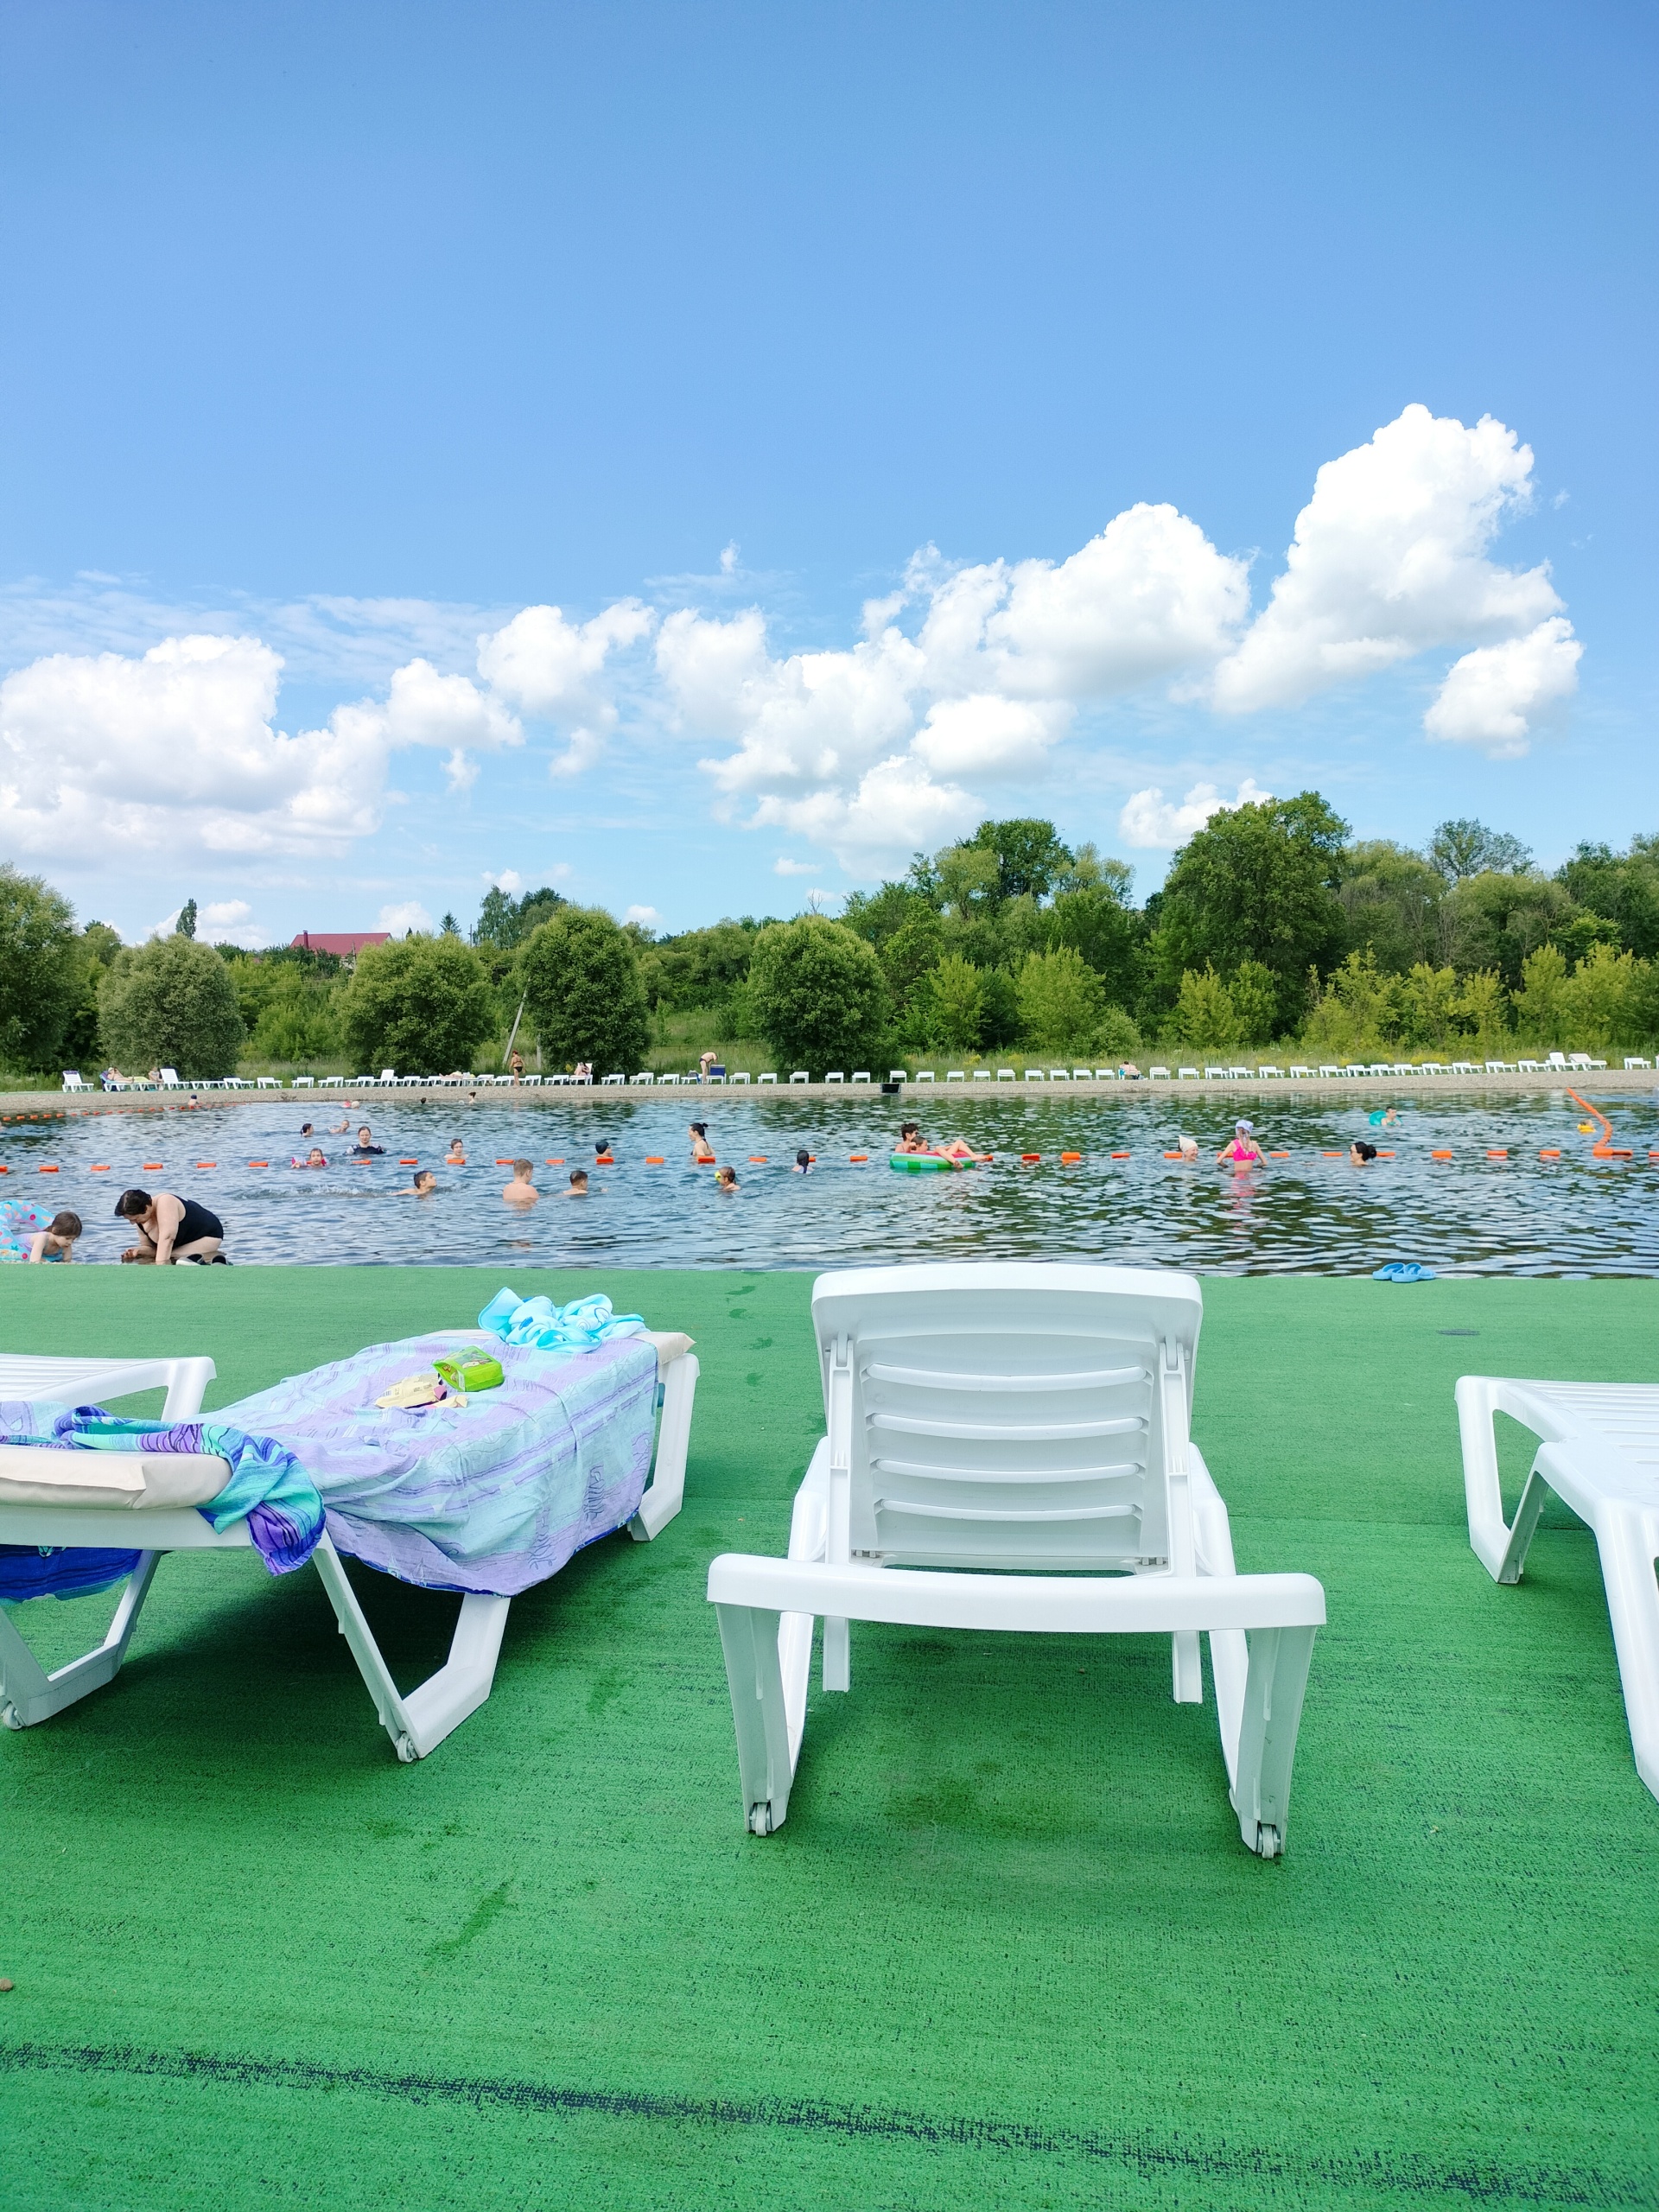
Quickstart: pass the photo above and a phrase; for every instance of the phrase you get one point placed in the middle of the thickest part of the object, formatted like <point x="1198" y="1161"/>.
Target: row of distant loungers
<point x="1518" y="1074"/>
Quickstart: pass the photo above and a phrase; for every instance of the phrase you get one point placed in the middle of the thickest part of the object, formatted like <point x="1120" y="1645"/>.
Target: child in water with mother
<point x="911" y="1140"/>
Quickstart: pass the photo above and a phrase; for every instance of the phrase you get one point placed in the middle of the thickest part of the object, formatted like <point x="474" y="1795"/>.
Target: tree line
<point x="1272" y="927"/>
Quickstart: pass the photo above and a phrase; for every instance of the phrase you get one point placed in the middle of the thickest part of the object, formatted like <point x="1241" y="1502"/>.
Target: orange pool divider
<point x="402" y="1163"/>
<point x="206" y="1163"/>
<point x="1439" y="1155"/>
<point x="1496" y="1155"/>
<point x="1033" y="1157"/>
<point x="1553" y="1154"/>
<point x="100" y="1167"/>
<point x="151" y="1166"/>
<point x="1330" y="1155"/>
<point x="554" y="1163"/>
<point x="259" y="1163"/>
<point x="6" y="1171"/>
<point x="1120" y="1155"/>
<point x="1285" y="1155"/>
<point x="1610" y="1152"/>
<point x="652" y="1159"/>
<point x="1168" y="1155"/>
<point x="1385" y="1155"/>
<point x="1070" y="1158"/>
<point x="855" y="1157"/>
<point x="604" y="1159"/>
<point x="504" y="1163"/>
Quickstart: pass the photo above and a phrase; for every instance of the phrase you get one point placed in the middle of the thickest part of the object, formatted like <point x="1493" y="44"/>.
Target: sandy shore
<point x="460" y="1097"/>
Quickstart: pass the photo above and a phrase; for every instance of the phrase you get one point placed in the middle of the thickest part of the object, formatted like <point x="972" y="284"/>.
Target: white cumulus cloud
<point x="223" y="913"/>
<point x="895" y="809"/>
<point x="507" y="880"/>
<point x="408" y="914"/>
<point x="1493" y="697"/>
<point x="553" y="670"/>
<point x="1389" y="560"/>
<point x="1149" y="821"/>
<point x="647" y="917"/>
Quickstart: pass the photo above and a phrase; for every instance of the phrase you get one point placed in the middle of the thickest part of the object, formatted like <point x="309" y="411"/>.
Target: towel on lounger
<point x="268" y="1488"/>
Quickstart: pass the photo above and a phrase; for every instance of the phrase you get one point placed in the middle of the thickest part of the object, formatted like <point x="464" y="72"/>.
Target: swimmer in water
<point x="424" y="1185"/>
<point x="313" y="1158"/>
<point x="1244" y="1152"/>
<point x="1384" y="1117"/>
<point x="725" y="1179"/>
<point x="702" y="1151"/>
<point x="454" y="1157"/>
<point x="1188" y="1148"/>
<point x="521" y="1192"/>
<point x="578" y="1184"/>
<point x="1361" y="1154"/>
<point x="603" y="1156"/>
<point x="803" y="1163"/>
<point x="912" y="1141"/>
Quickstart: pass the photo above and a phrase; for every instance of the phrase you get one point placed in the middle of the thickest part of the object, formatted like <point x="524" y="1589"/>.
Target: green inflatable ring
<point x="921" y="1163"/>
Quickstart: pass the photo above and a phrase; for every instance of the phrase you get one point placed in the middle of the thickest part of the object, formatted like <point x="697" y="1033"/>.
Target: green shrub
<point x="583" y="992"/>
<point x="1061" y="1000"/>
<point x="171" y="1003"/>
<point x="41" y="968"/>
<point x="818" y="993"/>
<point x="420" y="1004"/>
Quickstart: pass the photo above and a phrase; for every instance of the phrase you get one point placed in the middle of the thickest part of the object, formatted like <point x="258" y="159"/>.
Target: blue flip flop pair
<point x="1403" y="1271"/>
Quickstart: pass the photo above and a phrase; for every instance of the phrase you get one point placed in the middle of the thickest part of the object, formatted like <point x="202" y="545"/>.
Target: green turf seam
<point x="1474" y="2180"/>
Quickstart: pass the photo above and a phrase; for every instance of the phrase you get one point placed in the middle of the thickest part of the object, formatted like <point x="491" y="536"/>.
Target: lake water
<point x="1306" y="1213"/>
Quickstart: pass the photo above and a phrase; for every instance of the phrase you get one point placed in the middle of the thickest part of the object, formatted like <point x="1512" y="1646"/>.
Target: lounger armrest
<point x="1043" y="1604"/>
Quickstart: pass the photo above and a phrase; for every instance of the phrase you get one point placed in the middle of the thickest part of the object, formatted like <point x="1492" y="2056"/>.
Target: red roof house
<point x="345" y="945"/>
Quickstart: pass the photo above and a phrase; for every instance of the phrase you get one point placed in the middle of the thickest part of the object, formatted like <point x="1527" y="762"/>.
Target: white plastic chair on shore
<point x="146" y="1502"/>
<point x="1599" y="1454"/>
<point x="71" y="1080"/>
<point x="1025" y="1424"/>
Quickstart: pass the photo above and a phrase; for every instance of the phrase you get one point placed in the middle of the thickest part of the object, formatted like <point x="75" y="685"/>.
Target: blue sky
<point x="907" y="411"/>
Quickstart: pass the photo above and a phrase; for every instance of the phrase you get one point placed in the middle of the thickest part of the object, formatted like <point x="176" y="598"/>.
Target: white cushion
<point x="31" y="1476"/>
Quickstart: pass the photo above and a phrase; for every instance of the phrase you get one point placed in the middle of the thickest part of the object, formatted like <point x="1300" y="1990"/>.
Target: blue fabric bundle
<point x="582" y="1325"/>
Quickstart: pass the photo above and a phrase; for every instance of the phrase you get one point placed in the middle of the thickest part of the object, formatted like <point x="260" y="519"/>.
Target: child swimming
<point x="726" y="1179"/>
<point x="26" y="1238"/>
<point x="313" y="1158"/>
<point x="803" y="1163"/>
<point x="1244" y="1152"/>
<point x="424" y="1185"/>
<point x="521" y="1192"/>
<point x="454" y="1157"/>
<point x="578" y="1184"/>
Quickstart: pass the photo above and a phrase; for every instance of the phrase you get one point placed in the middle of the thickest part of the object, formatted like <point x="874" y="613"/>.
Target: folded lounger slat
<point x="148" y="1502"/>
<point x="1028" y="1422"/>
<point x="1598" y="1450"/>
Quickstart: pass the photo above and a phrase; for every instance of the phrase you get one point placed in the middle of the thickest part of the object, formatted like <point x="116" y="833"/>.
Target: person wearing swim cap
<point x="1244" y="1152"/>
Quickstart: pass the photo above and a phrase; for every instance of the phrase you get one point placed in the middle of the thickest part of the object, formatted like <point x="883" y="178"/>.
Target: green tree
<point x="171" y="1003"/>
<point x="1203" y="1010"/>
<point x="999" y="1010"/>
<point x="1481" y="1005"/>
<point x="968" y="877"/>
<point x="420" y="1004"/>
<point x="1623" y="887"/>
<point x="186" y="925"/>
<point x="1540" y="1004"/>
<point x="43" y="972"/>
<point x="1392" y="901"/>
<point x="1061" y="1000"/>
<point x="1358" y="1009"/>
<point x="1596" y="999"/>
<point x="1030" y="857"/>
<point x="881" y="914"/>
<point x="958" y="993"/>
<point x="1110" y="936"/>
<point x="1495" y="920"/>
<point x="448" y="926"/>
<point x="1254" y="990"/>
<point x="98" y="945"/>
<point x="504" y="923"/>
<point x="1426" y="997"/>
<point x="907" y="957"/>
<point x="818" y="993"/>
<point x="1467" y="847"/>
<point x="297" y="1021"/>
<point x="1256" y="884"/>
<point x="583" y="992"/>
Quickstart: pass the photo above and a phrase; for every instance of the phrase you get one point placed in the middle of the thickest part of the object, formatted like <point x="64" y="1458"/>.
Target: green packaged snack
<point x="470" y="1370"/>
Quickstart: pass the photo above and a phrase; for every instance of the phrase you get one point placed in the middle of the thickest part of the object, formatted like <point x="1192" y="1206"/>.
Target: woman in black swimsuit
<point x="169" y="1228"/>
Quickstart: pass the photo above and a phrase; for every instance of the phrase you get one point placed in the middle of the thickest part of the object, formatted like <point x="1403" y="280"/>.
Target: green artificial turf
<point x="1009" y="1948"/>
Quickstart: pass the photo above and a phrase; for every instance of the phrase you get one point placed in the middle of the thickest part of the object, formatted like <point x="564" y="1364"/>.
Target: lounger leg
<point x="1266" y="1738"/>
<point x="1628" y="1539"/>
<point x="667" y="1491"/>
<point x="417" y="1724"/>
<point x="28" y="1694"/>
<point x="765" y="1758"/>
<point x="1489" y="1533"/>
<point x="1534" y="1499"/>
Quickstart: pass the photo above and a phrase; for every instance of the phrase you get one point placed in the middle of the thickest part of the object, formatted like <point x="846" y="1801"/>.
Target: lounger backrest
<point x="1010" y="1414"/>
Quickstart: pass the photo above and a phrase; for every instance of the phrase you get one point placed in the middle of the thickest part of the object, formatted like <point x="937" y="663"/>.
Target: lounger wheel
<point x="406" y="1750"/>
<point x="1268" y="1844"/>
<point x="9" y="1716"/>
<point x="760" y="1818"/>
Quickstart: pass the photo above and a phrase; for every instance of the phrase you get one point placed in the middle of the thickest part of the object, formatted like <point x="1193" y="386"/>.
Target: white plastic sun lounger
<point x="1028" y="1422"/>
<point x="147" y="1502"/>
<point x="1599" y="1453"/>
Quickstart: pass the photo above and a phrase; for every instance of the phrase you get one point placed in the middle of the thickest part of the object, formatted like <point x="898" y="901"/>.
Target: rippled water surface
<point x="1304" y="1213"/>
